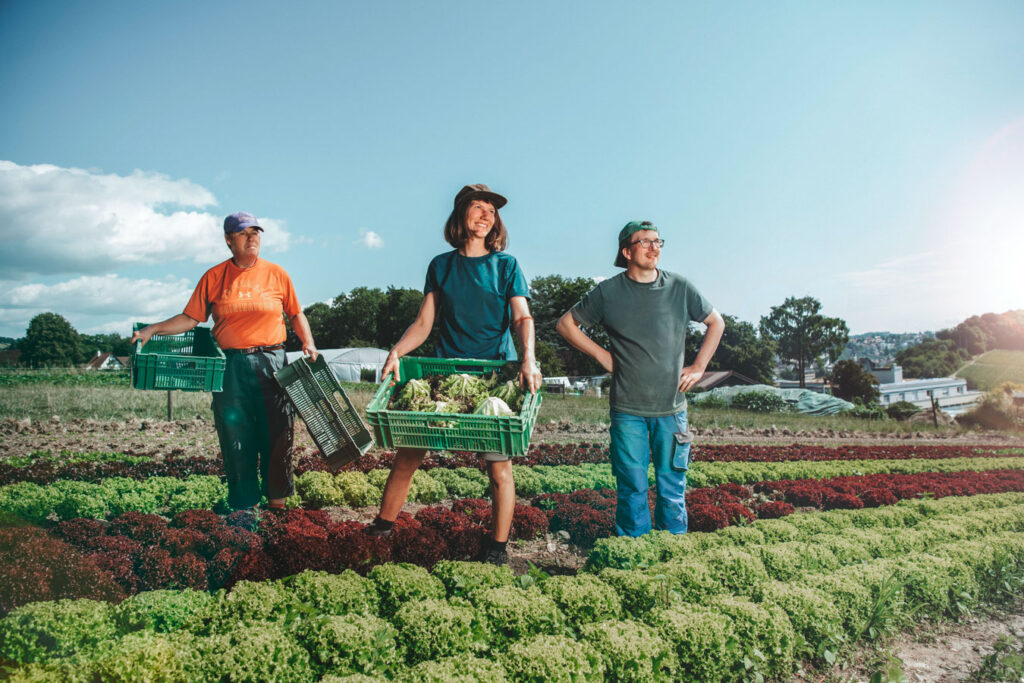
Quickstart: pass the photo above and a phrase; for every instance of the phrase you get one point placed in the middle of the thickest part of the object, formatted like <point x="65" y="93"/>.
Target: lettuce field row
<point x="355" y="489"/>
<point x="575" y="454"/>
<point x="169" y="495"/>
<point x="588" y="515"/>
<point x="622" y="552"/>
<point x="43" y="467"/>
<point x="727" y="608"/>
<point x="91" y="467"/>
<point x="202" y="550"/>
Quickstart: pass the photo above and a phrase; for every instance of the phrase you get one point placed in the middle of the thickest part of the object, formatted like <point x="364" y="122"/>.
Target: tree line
<point x="952" y="347"/>
<point x="51" y="341"/>
<point x="795" y="330"/>
<point x="372" y="317"/>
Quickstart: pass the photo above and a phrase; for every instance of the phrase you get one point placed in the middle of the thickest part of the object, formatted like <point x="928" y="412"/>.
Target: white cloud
<point x="370" y="239"/>
<point x="57" y="220"/>
<point x="88" y="302"/>
<point x="924" y="270"/>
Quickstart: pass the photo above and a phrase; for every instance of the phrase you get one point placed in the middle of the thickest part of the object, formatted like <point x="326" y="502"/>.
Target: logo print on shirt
<point x="245" y="297"/>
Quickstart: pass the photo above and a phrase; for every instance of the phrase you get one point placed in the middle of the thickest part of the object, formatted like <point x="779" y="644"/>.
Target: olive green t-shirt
<point x="647" y="324"/>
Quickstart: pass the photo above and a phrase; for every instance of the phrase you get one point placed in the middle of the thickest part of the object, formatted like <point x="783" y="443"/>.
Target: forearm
<point x="174" y="325"/>
<point x="301" y="326"/>
<point x="571" y="332"/>
<point x="526" y="339"/>
<point x="716" y="326"/>
<point x="412" y="339"/>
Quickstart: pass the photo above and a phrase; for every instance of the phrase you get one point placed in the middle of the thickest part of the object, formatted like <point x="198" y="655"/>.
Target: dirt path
<point x="957" y="650"/>
<point x="943" y="653"/>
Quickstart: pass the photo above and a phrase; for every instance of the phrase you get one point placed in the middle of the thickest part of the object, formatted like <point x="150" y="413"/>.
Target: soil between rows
<point x="933" y="653"/>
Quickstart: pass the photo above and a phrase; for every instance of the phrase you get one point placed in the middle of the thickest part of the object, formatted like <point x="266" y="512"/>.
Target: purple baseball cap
<point x="239" y="221"/>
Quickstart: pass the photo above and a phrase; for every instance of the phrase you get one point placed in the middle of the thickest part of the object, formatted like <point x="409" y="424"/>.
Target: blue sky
<point x="869" y="154"/>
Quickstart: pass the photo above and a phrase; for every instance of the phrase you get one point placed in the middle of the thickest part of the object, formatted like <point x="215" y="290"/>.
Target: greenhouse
<point x="349" y="364"/>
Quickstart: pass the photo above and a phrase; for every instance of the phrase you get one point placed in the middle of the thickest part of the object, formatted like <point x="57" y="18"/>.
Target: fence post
<point x="170" y="407"/>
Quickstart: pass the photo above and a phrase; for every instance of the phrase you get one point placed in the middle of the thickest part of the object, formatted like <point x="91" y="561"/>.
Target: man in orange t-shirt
<point x="248" y="299"/>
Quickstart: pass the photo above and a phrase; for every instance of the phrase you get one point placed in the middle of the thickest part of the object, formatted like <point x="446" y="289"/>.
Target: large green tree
<point x="740" y="350"/>
<point x="320" y="323"/>
<point x="365" y="317"/>
<point x="802" y="333"/>
<point x="932" y="358"/>
<point x="50" y="341"/>
<point x="981" y="333"/>
<point x="851" y="382"/>
<point x="550" y="297"/>
<point x="548" y="359"/>
<point x="357" y="314"/>
<point x="398" y="310"/>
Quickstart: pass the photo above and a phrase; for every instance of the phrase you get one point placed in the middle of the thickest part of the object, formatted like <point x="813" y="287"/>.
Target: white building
<point x="107" y="361"/>
<point x="950" y="392"/>
<point x="920" y="391"/>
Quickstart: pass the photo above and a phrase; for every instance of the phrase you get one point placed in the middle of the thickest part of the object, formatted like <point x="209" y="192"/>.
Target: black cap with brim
<point x="624" y="235"/>
<point x="479" y="191"/>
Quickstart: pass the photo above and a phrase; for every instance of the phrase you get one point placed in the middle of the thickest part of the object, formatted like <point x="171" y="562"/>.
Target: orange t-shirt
<point x="246" y="304"/>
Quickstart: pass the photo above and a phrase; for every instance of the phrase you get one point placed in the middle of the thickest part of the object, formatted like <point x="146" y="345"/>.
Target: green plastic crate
<point x="508" y="435"/>
<point x="188" y="362"/>
<point x="329" y="415"/>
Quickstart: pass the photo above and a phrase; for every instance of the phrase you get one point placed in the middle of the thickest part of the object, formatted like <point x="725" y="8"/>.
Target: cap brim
<point x="492" y="197"/>
<point x="240" y="228"/>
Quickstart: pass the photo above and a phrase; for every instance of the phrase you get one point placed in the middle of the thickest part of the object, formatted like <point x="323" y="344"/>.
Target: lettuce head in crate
<point x="415" y="395"/>
<point x="492" y="405"/>
<point x="466" y="390"/>
<point x="460" y="393"/>
<point x="511" y="393"/>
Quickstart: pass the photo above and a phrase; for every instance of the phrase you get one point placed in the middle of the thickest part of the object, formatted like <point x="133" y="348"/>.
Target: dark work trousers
<point x="254" y="424"/>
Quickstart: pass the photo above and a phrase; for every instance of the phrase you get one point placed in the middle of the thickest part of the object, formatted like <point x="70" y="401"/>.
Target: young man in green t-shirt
<point x="646" y="312"/>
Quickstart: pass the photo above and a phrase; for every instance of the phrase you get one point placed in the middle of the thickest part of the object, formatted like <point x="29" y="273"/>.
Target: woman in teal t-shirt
<point x="479" y="295"/>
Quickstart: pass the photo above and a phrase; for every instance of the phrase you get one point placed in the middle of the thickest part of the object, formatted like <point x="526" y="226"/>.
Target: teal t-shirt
<point x="473" y="297"/>
<point x="646" y="324"/>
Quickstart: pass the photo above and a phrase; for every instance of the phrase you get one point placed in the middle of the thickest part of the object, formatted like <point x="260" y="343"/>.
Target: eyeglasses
<point x="647" y="244"/>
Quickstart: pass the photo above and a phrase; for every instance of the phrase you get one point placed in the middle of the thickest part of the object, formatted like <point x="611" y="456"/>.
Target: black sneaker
<point x="495" y="557"/>
<point x="379" y="529"/>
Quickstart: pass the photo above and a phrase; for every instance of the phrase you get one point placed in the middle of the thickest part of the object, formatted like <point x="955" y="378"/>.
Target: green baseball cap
<point x="624" y="235"/>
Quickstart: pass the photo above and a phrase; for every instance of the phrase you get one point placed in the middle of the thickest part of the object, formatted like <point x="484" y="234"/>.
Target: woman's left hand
<point x="530" y="377"/>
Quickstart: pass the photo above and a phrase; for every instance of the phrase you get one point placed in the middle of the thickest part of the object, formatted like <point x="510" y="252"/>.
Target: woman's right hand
<point x="391" y="365"/>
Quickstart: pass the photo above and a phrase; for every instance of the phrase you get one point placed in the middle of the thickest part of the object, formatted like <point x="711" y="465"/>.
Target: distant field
<point x="42" y="400"/>
<point x="994" y="368"/>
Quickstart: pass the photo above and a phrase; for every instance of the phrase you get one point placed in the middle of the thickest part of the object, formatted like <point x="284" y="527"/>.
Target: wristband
<point x="525" y="317"/>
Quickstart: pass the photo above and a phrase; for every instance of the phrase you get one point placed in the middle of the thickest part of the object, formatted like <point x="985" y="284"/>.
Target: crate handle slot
<point x="304" y="369"/>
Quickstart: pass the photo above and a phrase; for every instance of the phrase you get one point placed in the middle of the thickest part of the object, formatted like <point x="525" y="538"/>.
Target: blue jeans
<point x="636" y="441"/>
